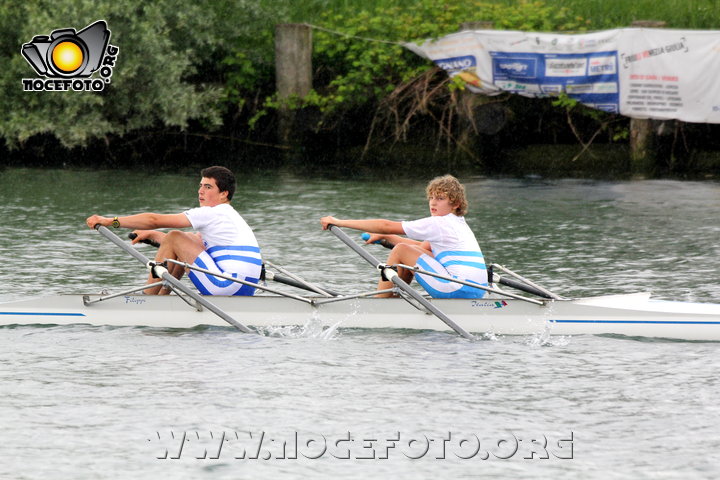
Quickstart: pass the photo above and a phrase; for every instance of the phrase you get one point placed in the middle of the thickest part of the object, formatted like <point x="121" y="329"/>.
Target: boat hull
<point x="630" y="315"/>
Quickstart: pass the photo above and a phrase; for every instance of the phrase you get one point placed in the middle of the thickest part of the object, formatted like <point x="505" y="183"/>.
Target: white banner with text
<point x="637" y="72"/>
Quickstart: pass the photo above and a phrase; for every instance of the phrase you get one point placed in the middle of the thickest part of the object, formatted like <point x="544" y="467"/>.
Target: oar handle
<point x="384" y="241"/>
<point x="133" y="235"/>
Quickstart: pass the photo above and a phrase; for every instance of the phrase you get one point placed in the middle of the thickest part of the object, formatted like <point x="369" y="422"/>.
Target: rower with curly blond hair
<point x="441" y="243"/>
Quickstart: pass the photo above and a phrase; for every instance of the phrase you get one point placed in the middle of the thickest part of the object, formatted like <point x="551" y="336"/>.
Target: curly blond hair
<point x="455" y="191"/>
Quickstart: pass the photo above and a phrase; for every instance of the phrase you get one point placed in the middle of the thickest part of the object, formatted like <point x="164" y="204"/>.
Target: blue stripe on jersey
<point x="481" y="266"/>
<point x="244" y="248"/>
<point x="426" y="266"/>
<point x="471" y="259"/>
<point x="458" y="253"/>
<point x="237" y="258"/>
<point x="198" y="277"/>
<point x="441" y="288"/>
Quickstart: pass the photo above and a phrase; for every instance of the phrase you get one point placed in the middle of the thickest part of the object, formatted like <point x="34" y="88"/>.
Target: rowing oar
<point x="294" y="280"/>
<point x="392" y="275"/>
<point x="161" y="272"/>
<point x="509" y="282"/>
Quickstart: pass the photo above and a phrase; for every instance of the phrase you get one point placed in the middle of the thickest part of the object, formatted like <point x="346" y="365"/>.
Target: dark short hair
<point x="224" y="179"/>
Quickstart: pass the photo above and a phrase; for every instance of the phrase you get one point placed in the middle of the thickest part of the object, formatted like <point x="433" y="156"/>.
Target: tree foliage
<point x="157" y="78"/>
<point x="361" y="59"/>
<point x="186" y="63"/>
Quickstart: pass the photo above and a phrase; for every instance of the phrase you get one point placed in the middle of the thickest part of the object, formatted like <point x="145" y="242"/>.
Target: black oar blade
<point x="509" y="282"/>
<point x="294" y="283"/>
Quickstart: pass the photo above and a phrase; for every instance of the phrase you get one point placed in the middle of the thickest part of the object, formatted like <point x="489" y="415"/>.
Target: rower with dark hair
<point x="224" y="243"/>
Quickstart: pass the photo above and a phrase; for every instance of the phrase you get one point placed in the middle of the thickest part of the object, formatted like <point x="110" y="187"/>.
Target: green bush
<point x="360" y="58"/>
<point x="157" y="79"/>
<point x="185" y="63"/>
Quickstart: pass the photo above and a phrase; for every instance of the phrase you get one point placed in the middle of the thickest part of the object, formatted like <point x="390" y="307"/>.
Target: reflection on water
<point x="578" y="237"/>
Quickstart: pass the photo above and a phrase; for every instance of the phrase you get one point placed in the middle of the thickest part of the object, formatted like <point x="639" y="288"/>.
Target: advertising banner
<point x="637" y="72"/>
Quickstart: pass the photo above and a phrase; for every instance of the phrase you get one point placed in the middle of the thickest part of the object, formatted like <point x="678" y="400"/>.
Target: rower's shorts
<point x="211" y="285"/>
<point x="441" y="288"/>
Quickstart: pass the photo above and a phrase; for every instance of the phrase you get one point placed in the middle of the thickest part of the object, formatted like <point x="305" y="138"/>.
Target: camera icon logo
<point x="67" y="54"/>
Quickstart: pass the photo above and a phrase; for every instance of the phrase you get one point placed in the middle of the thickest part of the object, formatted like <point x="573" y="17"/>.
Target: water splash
<point x="313" y="328"/>
<point x="545" y="339"/>
<point x="488" y="336"/>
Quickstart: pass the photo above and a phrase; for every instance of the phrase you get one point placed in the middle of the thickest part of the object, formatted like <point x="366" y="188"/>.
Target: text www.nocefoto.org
<point x="201" y="445"/>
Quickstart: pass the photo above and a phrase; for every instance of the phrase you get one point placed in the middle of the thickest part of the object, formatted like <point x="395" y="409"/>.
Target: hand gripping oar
<point x="147" y="241"/>
<point x="392" y="275"/>
<point x="384" y="242"/>
<point x="162" y="272"/>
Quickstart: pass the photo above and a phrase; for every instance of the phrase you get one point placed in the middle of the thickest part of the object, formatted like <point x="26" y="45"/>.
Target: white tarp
<point x="637" y="72"/>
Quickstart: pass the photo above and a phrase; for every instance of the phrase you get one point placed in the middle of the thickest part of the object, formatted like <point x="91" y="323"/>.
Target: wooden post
<point x="649" y="24"/>
<point x="642" y="130"/>
<point x="293" y="71"/>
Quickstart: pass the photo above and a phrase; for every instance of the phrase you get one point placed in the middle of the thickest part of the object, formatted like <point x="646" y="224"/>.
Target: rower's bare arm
<point x="376" y="225"/>
<point x="395" y="239"/>
<point x="143" y="221"/>
<point x="151" y="221"/>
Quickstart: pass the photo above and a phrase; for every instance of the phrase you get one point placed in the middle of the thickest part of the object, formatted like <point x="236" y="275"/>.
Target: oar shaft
<point x="120" y="243"/>
<point x="395" y="278"/>
<point x="238" y="280"/>
<point x="392" y="275"/>
<point x="358" y="249"/>
<point x="202" y="301"/>
<point x="170" y="280"/>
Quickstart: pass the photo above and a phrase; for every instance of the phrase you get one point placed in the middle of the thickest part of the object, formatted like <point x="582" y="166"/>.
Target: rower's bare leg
<point x="176" y="245"/>
<point x="404" y="253"/>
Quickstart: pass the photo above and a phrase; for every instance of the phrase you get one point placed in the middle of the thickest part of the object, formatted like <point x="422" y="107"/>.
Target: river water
<point x="96" y="402"/>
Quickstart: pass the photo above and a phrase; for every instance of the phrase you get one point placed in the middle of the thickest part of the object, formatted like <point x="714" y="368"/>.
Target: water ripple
<point x="81" y="401"/>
